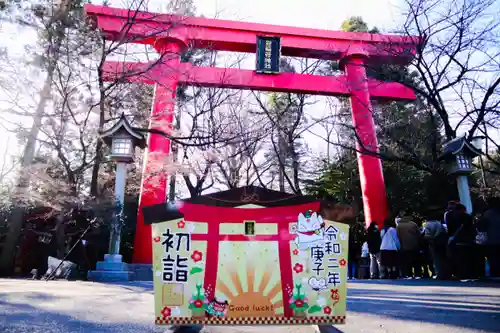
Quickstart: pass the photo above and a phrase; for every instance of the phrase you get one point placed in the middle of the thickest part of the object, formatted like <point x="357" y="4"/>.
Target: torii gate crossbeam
<point x="171" y="34"/>
<point x="233" y="78"/>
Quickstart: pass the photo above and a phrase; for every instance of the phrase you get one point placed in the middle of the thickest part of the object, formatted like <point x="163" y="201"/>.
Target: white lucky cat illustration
<point x="310" y="230"/>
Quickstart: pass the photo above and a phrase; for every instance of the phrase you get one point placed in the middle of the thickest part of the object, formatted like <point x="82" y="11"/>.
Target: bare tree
<point x="52" y="21"/>
<point x="205" y="115"/>
<point x="233" y="165"/>
<point x="457" y="61"/>
<point x="288" y="120"/>
<point x="455" y="74"/>
<point x="201" y="131"/>
<point x="64" y="127"/>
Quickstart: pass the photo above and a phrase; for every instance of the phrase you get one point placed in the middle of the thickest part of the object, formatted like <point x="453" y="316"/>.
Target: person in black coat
<point x="455" y="218"/>
<point x="490" y="225"/>
<point x="373" y="239"/>
<point x="356" y="239"/>
<point x="463" y="248"/>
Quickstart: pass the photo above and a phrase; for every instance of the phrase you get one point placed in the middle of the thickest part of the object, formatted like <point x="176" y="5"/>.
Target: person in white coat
<point x="389" y="249"/>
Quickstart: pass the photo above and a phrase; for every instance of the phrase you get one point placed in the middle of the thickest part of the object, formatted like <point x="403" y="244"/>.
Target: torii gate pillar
<point x="370" y="167"/>
<point x="154" y="184"/>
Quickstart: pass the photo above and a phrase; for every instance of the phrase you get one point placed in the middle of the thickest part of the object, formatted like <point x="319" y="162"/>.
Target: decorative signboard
<point x="268" y="55"/>
<point x="227" y="266"/>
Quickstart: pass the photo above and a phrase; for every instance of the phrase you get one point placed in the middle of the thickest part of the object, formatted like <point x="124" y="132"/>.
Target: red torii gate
<point x="171" y="34"/>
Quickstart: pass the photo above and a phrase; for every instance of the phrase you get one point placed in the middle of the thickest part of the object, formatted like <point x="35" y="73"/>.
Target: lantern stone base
<point x="111" y="269"/>
<point x="141" y="272"/>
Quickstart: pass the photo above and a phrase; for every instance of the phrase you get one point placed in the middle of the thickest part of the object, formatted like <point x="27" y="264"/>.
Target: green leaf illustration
<point x="314" y="308"/>
<point x="195" y="270"/>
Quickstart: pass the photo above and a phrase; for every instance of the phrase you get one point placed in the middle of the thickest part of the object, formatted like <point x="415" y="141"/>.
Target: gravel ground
<point x="405" y="306"/>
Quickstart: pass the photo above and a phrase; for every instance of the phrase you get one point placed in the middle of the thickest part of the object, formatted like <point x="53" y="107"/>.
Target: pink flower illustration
<point x="166" y="312"/>
<point x="197" y="256"/>
<point x="298" y="268"/>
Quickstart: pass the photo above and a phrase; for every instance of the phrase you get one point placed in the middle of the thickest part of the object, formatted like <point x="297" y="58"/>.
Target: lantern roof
<point x="123" y="128"/>
<point x="459" y="145"/>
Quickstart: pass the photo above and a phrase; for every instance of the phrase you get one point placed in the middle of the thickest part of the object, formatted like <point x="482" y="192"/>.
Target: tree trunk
<point x="175" y="159"/>
<point x="295" y="167"/>
<point x="281" y="160"/>
<point x="94" y="182"/>
<point x="60" y="235"/>
<point x="16" y="219"/>
<point x="173" y="178"/>
<point x="189" y="184"/>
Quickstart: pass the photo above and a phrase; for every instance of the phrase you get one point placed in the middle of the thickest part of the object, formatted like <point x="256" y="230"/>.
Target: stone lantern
<point x="122" y="139"/>
<point x="458" y="153"/>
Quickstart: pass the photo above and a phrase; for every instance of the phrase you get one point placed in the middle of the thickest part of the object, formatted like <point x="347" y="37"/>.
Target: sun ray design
<point x="265" y="278"/>
<point x="274" y="291"/>
<point x="236" y="282"/>
<point x="237" y="278"/>
<point x="223" y="288"/>
<point x="250" y="276"/>
<point x="278" y="304"/>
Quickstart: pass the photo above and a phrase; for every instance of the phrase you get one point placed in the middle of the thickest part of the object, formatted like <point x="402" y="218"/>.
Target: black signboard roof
<point x="250" y="195"/>
<point x="231" y="198"/>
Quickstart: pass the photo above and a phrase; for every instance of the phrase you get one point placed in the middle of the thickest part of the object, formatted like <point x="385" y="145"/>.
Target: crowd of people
<point x="449" y="245"/>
